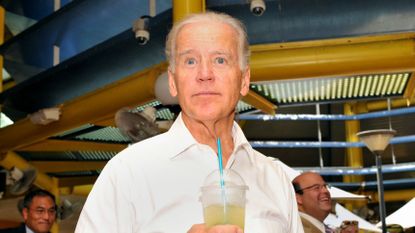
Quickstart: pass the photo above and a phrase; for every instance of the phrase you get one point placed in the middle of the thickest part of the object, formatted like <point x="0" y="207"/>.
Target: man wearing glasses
<point x="39" y="213"/>
<point x="313" y="200"/>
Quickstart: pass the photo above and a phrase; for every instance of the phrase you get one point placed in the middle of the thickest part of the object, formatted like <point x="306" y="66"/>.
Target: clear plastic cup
<point x="224" y="205"/>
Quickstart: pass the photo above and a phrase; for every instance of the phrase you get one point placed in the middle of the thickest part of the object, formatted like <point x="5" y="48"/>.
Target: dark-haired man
<point x="39" y="213"/>
<point x="313" y="200"/>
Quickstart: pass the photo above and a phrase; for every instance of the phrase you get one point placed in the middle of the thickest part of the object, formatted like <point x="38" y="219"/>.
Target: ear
<point x="25" y="213"/>
<point x="172" y="84"/>
<point x="299" y="199"/>
<point x="246" y="79"/>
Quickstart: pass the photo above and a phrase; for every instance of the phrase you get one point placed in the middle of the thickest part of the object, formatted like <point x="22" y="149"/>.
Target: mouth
<point x="325" y="199"/>
<point x="206" y="93"/>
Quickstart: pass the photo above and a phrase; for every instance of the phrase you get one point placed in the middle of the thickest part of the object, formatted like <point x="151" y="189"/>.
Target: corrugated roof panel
<point x="333" y="89"/>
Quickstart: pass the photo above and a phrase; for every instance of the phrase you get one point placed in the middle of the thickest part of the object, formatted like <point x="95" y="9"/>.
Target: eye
<point x="220" y="60"/>
<point x="190" y="61"/>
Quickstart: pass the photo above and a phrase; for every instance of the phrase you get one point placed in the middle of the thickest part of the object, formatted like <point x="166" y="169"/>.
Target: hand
<point x="202" y="228"/>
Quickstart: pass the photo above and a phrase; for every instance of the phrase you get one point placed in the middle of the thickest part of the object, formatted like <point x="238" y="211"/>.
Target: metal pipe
<point x="379" y="175"/>
<point x="340" y="171"/>
<point x="304" y="144"/>
<point x="404" y="183"/>
<point x="327" y="117"/>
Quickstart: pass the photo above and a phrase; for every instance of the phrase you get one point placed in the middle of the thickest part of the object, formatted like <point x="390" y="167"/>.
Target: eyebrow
<point x="185" y="52"/>
<point x="189" y="51"/>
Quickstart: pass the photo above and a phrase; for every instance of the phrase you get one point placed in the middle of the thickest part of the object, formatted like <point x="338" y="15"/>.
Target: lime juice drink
<point x="229" y="214"/>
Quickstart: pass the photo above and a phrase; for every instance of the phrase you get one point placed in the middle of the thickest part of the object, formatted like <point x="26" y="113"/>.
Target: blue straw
<point x="222" y="182"/>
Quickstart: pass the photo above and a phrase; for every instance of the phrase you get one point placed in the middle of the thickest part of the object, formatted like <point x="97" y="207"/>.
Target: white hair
<point x="243" y="45"/>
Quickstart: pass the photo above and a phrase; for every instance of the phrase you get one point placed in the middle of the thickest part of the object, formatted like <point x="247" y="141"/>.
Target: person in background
<point x="349" y="226"/>
<point x="154" y="185"/>
<point x="39" y="213"/>
<point x="313" y="200"/>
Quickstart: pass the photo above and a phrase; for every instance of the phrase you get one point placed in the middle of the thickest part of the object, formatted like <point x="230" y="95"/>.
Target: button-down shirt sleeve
<point x="109" y="205"/>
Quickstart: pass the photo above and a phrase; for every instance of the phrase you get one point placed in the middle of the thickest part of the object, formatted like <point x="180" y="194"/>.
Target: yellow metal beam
<point x="133" y="90"/>
<point x="82" y="189"/>
<point x="9" y="84"/>
<point x="347" y="56"/>
<point x="410" y="89"/>
<point x="106" y="122"/>
<point x="392" y="195"/>
<point x="181" y="8"/>
<point x="66" y="145"/>
<point x="78" y="180"/>
<point x="11" y="159"/>
<point x="68" y="166"/>
<point x="383" y="104"/>
<point x="259" y="103"/>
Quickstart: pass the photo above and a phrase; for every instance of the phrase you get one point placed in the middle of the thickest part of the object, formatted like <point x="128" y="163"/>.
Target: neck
<point x="319" y="217"/>
<point x="207" y="132"/>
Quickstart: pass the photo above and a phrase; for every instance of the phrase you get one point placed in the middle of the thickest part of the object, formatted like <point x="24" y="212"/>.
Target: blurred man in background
<point x="313" y="200"/>
<point x="39" y="213"/>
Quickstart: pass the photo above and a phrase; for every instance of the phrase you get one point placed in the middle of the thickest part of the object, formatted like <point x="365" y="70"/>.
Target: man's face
<point x="316" y="200"/>
<point x="207" y="78"/>
<point x="40" y="215"/>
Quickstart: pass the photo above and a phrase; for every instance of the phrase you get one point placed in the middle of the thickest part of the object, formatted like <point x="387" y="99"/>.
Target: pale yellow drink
<point x="217" y="215"/>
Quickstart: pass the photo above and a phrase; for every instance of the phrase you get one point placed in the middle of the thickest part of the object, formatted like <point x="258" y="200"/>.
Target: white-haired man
<point x="154" y="185"/>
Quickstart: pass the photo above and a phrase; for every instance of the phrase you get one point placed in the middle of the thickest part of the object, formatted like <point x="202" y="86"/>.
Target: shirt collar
<point x="179" y="130"/>
<point x="240" y="141"/>
<point x="28" y="230"/>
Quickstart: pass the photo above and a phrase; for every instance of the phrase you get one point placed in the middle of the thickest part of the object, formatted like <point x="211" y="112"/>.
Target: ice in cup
<point x="224" y="205"/>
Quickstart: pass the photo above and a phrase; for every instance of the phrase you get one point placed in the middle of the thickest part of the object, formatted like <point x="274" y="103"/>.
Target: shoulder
<point x="268" y="163"/>
<point x="308" y="225"/>
<point x="143" y="150"/>
<point x="20" y="229"/>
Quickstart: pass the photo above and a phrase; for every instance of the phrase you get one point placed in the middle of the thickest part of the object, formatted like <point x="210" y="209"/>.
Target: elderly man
<point x="154" y="185"/>
<point x="39" y="213"/>
<point x="314" y="201"/>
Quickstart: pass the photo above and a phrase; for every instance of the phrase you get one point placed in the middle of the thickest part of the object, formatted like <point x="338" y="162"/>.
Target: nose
<point x="46" y="215"/>
<point x="205" y="72"/>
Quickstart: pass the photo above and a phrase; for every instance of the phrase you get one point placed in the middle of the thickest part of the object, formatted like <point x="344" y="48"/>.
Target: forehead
<point x="213" y="33"/>
<point x="42" y="201"/>
<point x="310" y="179"/>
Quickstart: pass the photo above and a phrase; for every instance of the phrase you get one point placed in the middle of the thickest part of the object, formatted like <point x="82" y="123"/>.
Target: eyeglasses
<point x="347" y="223"/>
<point x="42" y="211"/>
<point x="316" y="187"/>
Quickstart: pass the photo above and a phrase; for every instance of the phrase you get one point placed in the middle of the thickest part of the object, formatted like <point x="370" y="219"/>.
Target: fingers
<point x="198" y="228"/>
<point x="201" y="228"/>
<point x="225" y="229"/>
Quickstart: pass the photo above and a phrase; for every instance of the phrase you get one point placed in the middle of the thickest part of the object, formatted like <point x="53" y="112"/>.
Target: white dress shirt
<point x="154" y="186"/>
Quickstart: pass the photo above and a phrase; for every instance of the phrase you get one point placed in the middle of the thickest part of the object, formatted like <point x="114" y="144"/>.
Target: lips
<point x="206" y="93"/>
<point x="325" y="199"/>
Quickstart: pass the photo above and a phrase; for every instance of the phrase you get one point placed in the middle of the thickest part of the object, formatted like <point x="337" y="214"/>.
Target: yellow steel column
<point x="354" y="154"/>
<point x="181" y="8"/>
